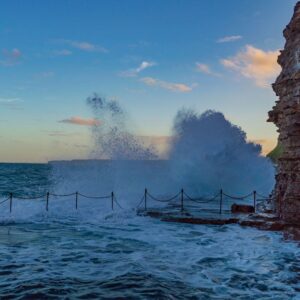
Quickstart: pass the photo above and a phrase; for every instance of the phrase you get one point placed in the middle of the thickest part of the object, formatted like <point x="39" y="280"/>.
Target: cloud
<point x="59" y="133"/>
<point x="231" y="38"/>
<point x="13" y="103"/>
<point x="139" y="44"/>
<point x="134" y="72"/>
<point x="175" y="87"/>
<point x="203" y="68"/>
<point x="161" y="143"/>
<point x="11" y="57"/>
<point x="46" y="74"/>
<point x="256" y="64"/>
<point x="84" y="46"/>
<point x="9" y="100"/>
<point x="63" y="52"/>
<point x="80" y="121"/>
<point x="80" y="146"/>
<point x="267" y="144"/>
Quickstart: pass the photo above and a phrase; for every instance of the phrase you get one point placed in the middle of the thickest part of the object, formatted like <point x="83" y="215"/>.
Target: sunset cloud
<point x="231" y="38"/>
<point x="174" y="87"/>
<point x="204" y="68"/>
<point x="134" y="72"/>
<point x="11" y="57"/>
<point x="267" y="144"/>
<point x="256" y="64"/>
<point x="160" y="143"/>
<point x="81" y="121"/>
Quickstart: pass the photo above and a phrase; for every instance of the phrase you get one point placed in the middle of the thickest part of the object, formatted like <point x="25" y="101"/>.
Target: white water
<point x="93" y="253"/>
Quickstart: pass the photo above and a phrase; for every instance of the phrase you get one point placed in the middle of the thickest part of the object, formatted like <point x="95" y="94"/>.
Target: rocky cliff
<point x="286" y="116"/>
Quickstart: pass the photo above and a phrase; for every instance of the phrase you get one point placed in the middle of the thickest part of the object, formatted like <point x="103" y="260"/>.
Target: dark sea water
<point x="94" y="253"/>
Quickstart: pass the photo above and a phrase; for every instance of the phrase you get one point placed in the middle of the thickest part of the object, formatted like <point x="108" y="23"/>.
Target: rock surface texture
<point x="286" y="116"/>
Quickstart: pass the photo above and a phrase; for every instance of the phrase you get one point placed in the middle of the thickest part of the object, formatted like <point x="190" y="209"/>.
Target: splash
<point x="112" y="137"/>
<point x="208" y="152"/>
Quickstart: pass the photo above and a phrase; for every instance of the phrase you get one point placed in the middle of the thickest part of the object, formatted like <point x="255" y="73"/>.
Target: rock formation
<point x="286" y="116"/>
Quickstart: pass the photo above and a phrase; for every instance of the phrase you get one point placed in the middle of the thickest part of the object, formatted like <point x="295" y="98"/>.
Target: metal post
<point x="76" y="200"/>
<point x="10" y="202"/>
<point x="254" y="200"/>
<point x="145" y="199"/>
<point x="112" y="200"/>
<point x="221" y="200"/>
<point x="181" y="200"/>
<point x="47" y="201"/>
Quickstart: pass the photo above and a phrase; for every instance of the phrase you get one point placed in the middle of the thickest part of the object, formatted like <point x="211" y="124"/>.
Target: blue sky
<point x="154" y="57"/>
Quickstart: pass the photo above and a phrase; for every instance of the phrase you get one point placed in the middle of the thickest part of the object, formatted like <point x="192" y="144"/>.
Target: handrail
<point x="181" y="196"/>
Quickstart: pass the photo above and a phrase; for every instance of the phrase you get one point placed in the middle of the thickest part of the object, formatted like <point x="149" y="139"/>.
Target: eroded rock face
<point x="286" y="116"/>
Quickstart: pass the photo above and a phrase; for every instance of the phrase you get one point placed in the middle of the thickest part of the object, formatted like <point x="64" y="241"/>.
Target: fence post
<point x="146" y="199"/>
<point x="254" y="200"/>
<point x="10" y="202"/>
<point x="47" y="201"/>
<point x="112" y="200"/>
<point x="76" y="200"/>
<point x="221" y="200"/>
<point x="182" y="200"/>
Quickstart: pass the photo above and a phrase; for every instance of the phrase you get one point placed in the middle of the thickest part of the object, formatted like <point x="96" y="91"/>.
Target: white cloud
<point x="134" y="72"/>
<point x="204" y="68"/>
<point x="9" y="100"/>
<point x="256" y="64"/>
<point x="175" y="87"/>
<point x="231" y="38"/>
<point x="13" y="103"/>
<point x="84" y="46"/>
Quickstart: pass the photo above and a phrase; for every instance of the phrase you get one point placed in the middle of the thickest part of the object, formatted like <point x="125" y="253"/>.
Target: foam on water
<point x="140" y="258"/>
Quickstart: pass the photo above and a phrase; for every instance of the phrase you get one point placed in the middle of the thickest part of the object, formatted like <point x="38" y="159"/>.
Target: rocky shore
<point x="286" y="116"/>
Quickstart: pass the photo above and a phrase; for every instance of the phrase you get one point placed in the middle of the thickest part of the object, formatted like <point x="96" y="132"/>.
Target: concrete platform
<point x="262" y="221"/>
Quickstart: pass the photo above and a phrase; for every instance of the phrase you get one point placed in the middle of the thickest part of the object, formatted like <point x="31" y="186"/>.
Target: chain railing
<point x="218" y="198"/>
<point x="182" y="197"/>
<point x="46" y="196"/>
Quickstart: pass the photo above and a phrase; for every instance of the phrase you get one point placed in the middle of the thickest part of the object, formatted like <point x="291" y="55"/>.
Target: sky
<point x="153" y="57"/>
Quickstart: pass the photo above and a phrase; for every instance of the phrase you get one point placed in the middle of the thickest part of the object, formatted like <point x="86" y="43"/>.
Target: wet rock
<point x="241" y="208"/>
<point x="286" y="116"/>
<point x="202" y="221"/>
<point x="292" y="233"/>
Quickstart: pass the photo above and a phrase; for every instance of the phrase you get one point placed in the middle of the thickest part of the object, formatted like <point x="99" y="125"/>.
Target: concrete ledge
<point x="262" y="221"/>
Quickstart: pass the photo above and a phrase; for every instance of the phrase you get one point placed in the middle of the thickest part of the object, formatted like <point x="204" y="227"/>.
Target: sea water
<point x="94" y="253"/>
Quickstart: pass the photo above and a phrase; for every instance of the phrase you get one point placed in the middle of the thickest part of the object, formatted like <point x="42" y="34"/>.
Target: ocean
<point x="96" y="253"/>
